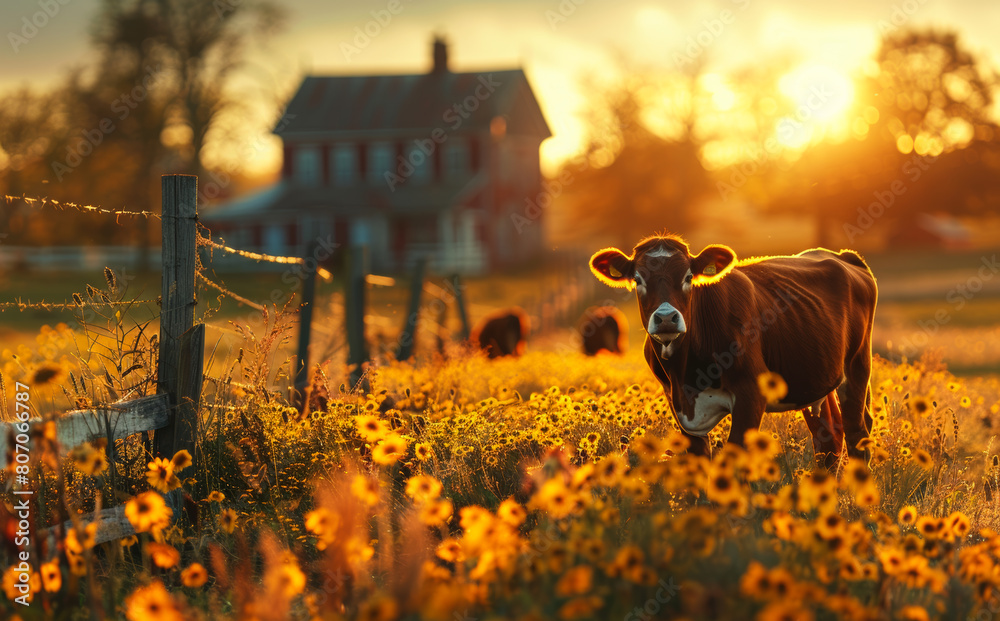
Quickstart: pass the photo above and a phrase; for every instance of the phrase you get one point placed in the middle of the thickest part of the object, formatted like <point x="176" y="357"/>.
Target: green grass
<point x="979" y="311"/>
<point x="910" y="263"/>
<point x="898" y="315"/>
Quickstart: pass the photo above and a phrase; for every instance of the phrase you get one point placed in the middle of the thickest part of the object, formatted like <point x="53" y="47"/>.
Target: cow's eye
<point x="688" y="278"/>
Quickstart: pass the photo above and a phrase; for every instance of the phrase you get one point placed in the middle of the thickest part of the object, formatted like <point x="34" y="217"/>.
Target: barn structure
<point x="432" y="164"/>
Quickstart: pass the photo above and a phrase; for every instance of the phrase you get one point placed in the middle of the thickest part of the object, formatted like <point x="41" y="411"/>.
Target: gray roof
<point x="418" y="102"/>
<point x="281" y="198"/>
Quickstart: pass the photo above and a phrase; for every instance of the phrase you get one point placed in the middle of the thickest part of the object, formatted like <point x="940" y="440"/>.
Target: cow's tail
<point x="852" y="257"/>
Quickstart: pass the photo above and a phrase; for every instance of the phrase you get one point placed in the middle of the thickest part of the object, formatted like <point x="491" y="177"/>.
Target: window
<point x="345" y="164"/>
<point x="380" y="161"/>
<point x="361" y="232"/>
<point x="274" y="238"/>
<point x="307" y="166"/>
<point x="456" y="159"/>
<point x="422" y="163"/>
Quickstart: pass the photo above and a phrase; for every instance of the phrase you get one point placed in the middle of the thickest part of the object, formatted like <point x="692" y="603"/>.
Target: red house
<point x="431" y="164"/>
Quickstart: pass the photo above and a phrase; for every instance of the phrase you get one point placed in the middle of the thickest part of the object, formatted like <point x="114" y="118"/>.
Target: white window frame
<point x="344" y="164"/>
<point x="274" y="238"/>
<point x="308" y="166"/>
<point x="381" y="159"/>
<point x="424" y="172"/>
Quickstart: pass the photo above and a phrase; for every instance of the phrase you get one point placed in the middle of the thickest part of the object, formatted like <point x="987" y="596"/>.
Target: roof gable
<point x="419" y="102"/>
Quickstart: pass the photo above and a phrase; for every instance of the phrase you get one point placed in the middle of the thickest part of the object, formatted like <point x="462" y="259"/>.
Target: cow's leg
<point x="747" y="411"/>
<point x="856" y="403"/>
<point x="826" y="425"/>
<point x="836" y="419"/>
<point x="821" y="437"/>
<point x="698" y="445"/>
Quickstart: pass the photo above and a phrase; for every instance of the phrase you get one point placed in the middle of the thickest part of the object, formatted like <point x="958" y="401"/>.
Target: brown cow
<point x="603" y="328"/>
<point x="502" y="333"/>
<point x="715" y="326"/>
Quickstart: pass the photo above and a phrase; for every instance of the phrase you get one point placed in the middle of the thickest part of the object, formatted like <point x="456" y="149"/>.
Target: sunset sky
<point x="557" y="43"/>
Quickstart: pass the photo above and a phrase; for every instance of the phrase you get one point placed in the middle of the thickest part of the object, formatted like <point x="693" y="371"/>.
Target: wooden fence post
<point x="442" y="330"/>
<point x="182" y="348"/>
<point x="409" y="335"/>
<point x="189" y="385"/>
<point x="357" y="355"/>
<point x="463" y="315"/>
<point x="305" y="324"/>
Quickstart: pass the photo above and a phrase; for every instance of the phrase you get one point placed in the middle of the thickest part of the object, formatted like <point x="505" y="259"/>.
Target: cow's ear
<point x="613" y="268"/>
<point x="712" y="263"/>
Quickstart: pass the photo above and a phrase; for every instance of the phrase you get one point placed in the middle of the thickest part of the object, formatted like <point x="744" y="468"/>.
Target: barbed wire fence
<point x="553" y="306"/>
<point x="203" y="239"/>
<point x="308" y="267"/>
<point x="172" y="415"/>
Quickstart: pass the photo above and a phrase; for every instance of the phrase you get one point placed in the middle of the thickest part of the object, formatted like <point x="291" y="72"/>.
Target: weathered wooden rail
<point x="113" y="422"/>
<point x="172" y="413"/>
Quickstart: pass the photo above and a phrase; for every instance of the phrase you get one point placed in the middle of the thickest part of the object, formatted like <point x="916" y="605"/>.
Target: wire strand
<point x="22" y="306"/>
<point x="256" y="256"/>
<point x="225" y="291"/>
<point x="259" y="256"/>
<point x="45" y="201"/>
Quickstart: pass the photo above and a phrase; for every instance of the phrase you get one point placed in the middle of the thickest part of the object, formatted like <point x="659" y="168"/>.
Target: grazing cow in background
<point x="715" y="326"/>
<point x="603" y="328"/>
<point x="502" y="333"/>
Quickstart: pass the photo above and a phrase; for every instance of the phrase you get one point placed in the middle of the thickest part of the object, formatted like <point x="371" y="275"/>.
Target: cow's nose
<point x="670" y="317"/>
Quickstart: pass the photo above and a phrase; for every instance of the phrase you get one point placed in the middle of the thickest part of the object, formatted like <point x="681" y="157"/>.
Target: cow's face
<point x="663" y="273"/>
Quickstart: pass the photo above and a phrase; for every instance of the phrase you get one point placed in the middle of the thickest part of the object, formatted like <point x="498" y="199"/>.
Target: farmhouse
<point x="428" y="164"/>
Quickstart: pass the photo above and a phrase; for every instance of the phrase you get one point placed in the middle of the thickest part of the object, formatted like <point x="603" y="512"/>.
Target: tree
<point x="146" y="107"/>
<point x="932" y="94"/>
<point x="26" y="125"/>
<point x="922" y="140"/>
<point x="180" y="55"/>
<point x="195" y="46"/>
<point x="205" y="43"/>
<point x="630" y="180"/>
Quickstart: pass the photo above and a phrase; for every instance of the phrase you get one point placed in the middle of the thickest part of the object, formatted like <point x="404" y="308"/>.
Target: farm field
<point x="297" y="297"/>
<point x="549" y="487"/>
<point x="920" y="307"/>
<point x="553" y="486"/>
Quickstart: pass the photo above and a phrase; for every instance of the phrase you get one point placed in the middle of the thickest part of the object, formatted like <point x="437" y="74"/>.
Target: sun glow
<point x="820" y="97"/>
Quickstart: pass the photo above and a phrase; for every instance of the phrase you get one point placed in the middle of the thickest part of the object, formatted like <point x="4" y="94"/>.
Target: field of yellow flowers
<point x="551" y="486"/>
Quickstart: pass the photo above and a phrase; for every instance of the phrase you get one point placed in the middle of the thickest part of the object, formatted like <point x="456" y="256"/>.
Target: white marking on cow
<point x="710" y="406"/>
<point x="686" y="283"/>
<point x="666" y="310"/>
<point x="661" y="251"/>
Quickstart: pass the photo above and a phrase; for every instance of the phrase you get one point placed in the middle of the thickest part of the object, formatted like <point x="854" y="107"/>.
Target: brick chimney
<point x="440" y="55"/>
